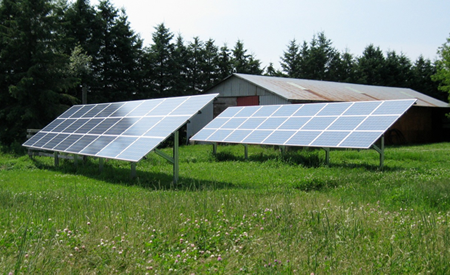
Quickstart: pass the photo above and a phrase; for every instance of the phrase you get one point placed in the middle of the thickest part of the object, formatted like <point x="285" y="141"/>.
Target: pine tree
<point x="116" y="64"/>
<point x="195" y="56"/>
<point x="370" y="66"/>
<point x="210" y="65"/>
<point x="243" y="62"/>
<point x="290" y="61"/>
<point x="162" y="63"/>
<point x="225" y="63"/>
<point x="271" y="71"/>
<point x="316" y="61"/>
<point x="181" y="72"/>
<point x="397" y="70"/>
<point x="34" y="74"/>
<point x="422" y="72"/>
<point x="79" y="29"/>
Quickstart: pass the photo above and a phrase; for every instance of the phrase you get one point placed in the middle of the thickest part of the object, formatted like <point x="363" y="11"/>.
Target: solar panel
<point x="123" y="130"/>
<point x="333" y="125"/>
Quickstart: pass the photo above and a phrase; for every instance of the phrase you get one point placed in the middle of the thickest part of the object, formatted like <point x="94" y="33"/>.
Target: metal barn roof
<point x="303" y="90"/>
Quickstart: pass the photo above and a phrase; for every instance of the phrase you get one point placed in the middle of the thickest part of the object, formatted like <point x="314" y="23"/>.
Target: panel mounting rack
<point x="121" y="130"/>
<point x="354" y="125"/>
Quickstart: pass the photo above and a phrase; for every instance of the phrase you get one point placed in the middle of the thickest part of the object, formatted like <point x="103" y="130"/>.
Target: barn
<point x="424" y="122"/>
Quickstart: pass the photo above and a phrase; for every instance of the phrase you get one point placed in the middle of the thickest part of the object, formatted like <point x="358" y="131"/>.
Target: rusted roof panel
<point x="305" y="90"/>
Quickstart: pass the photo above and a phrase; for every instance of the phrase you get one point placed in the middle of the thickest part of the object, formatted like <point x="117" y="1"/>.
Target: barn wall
<point x="221" y="103"/>
<point x="247" y="100"/>
<point x="272" y="99"/>
<point x="234" y="88"/>
<point x="419" y="125"/>
<point x="198" y="121"/>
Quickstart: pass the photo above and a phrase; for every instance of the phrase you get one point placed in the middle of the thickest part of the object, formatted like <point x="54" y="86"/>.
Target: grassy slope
<point x="269" y="214"/>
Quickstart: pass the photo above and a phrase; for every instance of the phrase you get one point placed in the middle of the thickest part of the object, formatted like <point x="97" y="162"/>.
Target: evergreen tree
<point x="421" y="81"/>
<point x="370" y="66"/>
<point x="225" y="62"/>
<point x="397" y="70"/>
<point x="210" y="64"/>
<point x="290" y="61"/>
<point x="243" y="62"/>
<point x="162" y="63"/>
<point x="316" y="61"/>
<point x="271" y="71"/>
<point x="34" y="74"/>
<point x="181" y="73"/>
<point x="195" y="53"/>
<point x="116" y="65"/>
<point x="80" y="28"/>
<point x="344" y="68"/>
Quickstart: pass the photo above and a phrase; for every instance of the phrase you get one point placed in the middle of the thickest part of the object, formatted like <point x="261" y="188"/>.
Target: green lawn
<point x="271" y="214"/>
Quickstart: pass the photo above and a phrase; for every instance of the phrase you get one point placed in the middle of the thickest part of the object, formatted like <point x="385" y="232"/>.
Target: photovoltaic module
<point x="122" y="130"/>
<point x="332" y="125"/>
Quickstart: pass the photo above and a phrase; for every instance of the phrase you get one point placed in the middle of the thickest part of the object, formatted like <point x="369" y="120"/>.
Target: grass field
<point x="270" y="214"/>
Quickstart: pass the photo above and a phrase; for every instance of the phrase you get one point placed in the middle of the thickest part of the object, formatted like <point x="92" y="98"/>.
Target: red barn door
<point x="248" y="100"/>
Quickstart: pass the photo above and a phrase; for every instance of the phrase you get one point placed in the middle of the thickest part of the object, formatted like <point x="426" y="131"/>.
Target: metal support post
<point x="246" y="151"/>
<point x="100" y="164"/>
<point x="214" y="148"/>
<point x="175" y="156"/>
<point x="380" y="150"/>
<point x="75" y="160"/>
<point x="133" y="169"/>
<point x="55" y="155"/>
<point x="327" y="156"/>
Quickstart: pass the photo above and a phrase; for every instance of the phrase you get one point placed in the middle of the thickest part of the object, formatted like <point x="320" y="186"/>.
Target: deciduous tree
<point x="442" y="75"/>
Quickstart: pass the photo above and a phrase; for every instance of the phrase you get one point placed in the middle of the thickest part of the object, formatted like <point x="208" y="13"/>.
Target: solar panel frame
<point x="331" y="125"/>
<point x="121" y="130"/>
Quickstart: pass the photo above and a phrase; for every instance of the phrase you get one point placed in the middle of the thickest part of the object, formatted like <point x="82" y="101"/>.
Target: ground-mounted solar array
<point x="122" y="130"/>
<point x="330" y="125"/>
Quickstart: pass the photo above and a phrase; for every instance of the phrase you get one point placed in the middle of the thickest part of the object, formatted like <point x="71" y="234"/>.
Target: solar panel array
<point x="123" y="130"/>
<point x="333" y="125"/>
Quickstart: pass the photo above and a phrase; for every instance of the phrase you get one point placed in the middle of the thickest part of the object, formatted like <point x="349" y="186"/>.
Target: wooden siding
<point x="418" y="125"/>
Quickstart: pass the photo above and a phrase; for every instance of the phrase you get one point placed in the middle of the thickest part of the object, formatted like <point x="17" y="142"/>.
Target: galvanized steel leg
<point x="327" y="156"/>
<point x="133" y="169"/>
<point x="246" y="151"/>
<point x="56" y="157"/>
<point x="100" y="164"/>
<point x="214" y="148"/>
<point x="175" y="157"/>
<point x="380" y="150"/>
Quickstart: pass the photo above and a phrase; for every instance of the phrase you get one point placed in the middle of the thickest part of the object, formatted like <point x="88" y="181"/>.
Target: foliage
<point x="422" y="79"/>
<point x="319" y="60"/>
<point x="316" y="60"/>
<point x="34" y="74"/>
<point x="224" y="218"/>
<point x="50" y="50"/>
<point x="443" y="67"/>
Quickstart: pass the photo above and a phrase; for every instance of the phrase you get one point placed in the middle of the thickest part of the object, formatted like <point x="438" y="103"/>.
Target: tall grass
<point x="270" y="214"/>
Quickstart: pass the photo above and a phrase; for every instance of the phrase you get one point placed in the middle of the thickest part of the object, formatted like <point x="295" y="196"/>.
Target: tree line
<point x="51" y="50"/>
